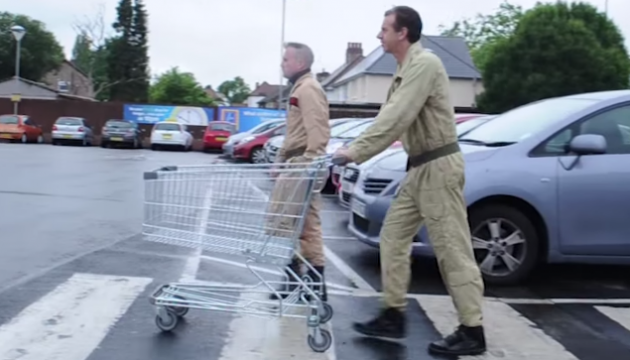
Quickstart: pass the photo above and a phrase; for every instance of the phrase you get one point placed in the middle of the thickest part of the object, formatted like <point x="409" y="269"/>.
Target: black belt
<point x="417" y="160"/>
<point x="294" y="152"/>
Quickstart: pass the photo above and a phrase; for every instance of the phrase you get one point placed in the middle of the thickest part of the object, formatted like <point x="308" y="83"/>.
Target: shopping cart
<point x="252" y="212"/>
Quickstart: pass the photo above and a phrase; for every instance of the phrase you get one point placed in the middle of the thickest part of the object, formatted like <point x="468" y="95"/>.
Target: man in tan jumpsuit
<point x="307" y="135"/>
<point x="418" y="111"/>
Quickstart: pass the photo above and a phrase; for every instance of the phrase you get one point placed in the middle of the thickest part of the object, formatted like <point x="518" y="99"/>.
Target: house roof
<point x="265" y="89"/>
<point x="340" y="71"/>
<point x="46" y="87"/>
<point x="453" y="52"/>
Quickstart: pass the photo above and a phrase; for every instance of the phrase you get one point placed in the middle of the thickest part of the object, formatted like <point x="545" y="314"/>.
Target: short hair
<point x="406" y="17"/>
<point x="303" y="52"/>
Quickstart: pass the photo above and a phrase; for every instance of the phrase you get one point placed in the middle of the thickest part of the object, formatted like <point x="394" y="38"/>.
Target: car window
<point x="280" y="131"/>
<point x="167" y="127"/>
<point x="265" y="126"/>
<point x="339" y="129"/>
<point x="221" y="127"/>
<point x="355" y="131"/>
<point x="9" y="120"/>
<point x="612" y="125"/>
<point x="118" y="125"/>
<point x="69" y="121"/>
<point x="525" y="121"/>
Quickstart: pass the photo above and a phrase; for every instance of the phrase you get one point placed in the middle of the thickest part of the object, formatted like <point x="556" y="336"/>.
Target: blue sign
<point x="151" y="114"/>
<point x="246" y="118"/>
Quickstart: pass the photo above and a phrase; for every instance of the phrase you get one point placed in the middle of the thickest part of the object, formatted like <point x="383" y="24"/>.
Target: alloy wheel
<point x="500" y="247"/>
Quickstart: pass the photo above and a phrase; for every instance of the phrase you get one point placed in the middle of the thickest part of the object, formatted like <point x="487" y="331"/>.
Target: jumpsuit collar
<point x="294" y="79"/>
<point x="415" y="48"/>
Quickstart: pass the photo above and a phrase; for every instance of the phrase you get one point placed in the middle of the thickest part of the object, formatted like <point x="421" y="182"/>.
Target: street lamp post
<point x="18" y="32"/>
<point x="284" y="10"/>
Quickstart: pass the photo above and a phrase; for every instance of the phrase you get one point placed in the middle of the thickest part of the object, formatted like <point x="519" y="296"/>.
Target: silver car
<point x="72" y="129"/>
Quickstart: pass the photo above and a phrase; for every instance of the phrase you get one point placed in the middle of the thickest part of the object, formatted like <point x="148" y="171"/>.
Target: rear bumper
<point x="10" y="136"/>
<point x="59" y="135"/>
<point x="213" y="144"/>
<point x="168" y="142"/>
<point x="118" y="139"/>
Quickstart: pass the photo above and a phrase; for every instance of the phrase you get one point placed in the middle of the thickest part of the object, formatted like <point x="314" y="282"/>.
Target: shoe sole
<point x="380" y="336"/>
<point x="455" y="353"/>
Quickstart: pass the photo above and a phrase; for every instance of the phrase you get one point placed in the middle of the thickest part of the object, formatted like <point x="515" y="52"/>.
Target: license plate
<point x="6" y="136"/>
<point x="221" y="138"/>
<point x="116" y="139"/>
<point x="68" y="136"/>
<point x="358" y="208"/>
<point x="347" y="186"/>
<point x="167" y="136"/>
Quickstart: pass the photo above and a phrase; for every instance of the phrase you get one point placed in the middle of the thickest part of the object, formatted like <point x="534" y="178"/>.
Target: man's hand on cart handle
<point x="341" y="157"/>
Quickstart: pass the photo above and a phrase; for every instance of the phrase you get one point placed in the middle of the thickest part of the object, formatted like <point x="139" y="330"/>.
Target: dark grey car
<point x="121" y="132"/>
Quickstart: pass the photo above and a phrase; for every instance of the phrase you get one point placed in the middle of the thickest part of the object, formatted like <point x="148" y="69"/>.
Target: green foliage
<point x="483" y="31"/>
<point x="236" y="91"/>
<point x="40" y="53"/>
<point x="179" y="88"/>
<point x="557" y="49"/>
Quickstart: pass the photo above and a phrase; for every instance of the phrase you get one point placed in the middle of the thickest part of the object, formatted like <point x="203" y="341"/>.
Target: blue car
<point x="545" y="182"/>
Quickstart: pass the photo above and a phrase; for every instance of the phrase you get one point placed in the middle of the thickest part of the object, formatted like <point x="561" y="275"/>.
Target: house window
<point x="63" y="86"/>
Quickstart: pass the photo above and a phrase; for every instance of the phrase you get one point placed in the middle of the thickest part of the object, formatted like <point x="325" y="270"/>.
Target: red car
<point x="217" y="134"/>
<point x="20" y="128"/>
<point x="251" y="147"/>
<point x="460" y="118"/>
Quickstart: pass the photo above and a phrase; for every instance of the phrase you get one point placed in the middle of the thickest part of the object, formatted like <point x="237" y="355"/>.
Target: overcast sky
<point x="220" y="39"/>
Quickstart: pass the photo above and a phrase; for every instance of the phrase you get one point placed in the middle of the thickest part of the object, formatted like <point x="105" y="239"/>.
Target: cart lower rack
<point x="253" y="212"/>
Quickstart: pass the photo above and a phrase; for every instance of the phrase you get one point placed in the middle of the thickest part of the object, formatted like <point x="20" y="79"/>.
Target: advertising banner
<point x="246" y="118"/>
<point x="151" y="114"/>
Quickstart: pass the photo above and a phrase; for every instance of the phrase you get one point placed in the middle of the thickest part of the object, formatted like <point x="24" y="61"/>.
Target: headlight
<point x="247" y="139"/>
<point x="333" y="147"/>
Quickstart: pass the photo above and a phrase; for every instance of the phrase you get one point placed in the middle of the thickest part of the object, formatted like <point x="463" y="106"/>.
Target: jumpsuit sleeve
<point x="399" y="112"/>
<point x="314" y="107"/>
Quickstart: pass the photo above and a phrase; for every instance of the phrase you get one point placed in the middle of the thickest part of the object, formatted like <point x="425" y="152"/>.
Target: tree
<point x="557" y="49"/>
<point x="483" y="31"/>
<point x="236" y="91"/>
<point x="40" y="51"/>
<point x="179" y="88"/>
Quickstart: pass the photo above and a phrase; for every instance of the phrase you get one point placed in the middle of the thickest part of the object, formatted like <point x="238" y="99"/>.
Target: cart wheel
<point x="327" y="314"/>
<point x="324" y="343"/>
<point x="169" y="324"/>
<point x="180" y="311"/>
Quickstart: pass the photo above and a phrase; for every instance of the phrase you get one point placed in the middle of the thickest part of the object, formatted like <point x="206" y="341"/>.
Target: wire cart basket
<point x="252" y="212"/>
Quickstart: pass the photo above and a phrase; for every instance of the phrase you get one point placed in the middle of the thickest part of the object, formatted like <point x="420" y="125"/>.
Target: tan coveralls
<point x="307" y="135"/>
<point x="418" y="111"/>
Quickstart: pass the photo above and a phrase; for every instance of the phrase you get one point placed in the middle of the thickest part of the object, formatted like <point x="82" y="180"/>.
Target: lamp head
<point x="18" y="32"/>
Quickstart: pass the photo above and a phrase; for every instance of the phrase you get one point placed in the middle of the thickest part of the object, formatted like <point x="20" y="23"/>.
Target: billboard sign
<point x="151" y="114"/>
<point x="246" y="118"/>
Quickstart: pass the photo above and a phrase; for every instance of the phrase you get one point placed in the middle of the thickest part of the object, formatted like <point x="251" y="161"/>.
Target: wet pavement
<point x="75" y="277"/>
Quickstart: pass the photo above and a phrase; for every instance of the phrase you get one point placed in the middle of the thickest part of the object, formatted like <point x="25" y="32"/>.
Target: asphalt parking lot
<point x="75" y="276"/>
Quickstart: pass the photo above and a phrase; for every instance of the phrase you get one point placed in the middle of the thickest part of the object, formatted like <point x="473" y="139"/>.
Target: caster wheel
<point x="324" y="342"/>
<point x="327" y="314"/>
<point x="169" y="324"/>
<point x="178" y="310"/>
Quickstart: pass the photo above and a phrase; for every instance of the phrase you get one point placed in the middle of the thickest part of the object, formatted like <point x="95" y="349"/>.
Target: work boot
<point x="286" y="289"/>
<point x="317" y="288"/>
<point x="390" y="323"/>
<point x="464" y="341"/>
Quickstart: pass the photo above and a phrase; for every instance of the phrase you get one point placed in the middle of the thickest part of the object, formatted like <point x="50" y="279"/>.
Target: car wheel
<point x="258" y="156"/>
<point x="24" y="139"/>
<point x="154" y="147"/>
<point x="505" y="242"/>
<point x="40" y="139"/>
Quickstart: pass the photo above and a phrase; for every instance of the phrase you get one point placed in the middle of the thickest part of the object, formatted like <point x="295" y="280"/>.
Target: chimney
<point x="322" y="75"/>
<point x="257" y="85"/>
<point x="354" y="51"/>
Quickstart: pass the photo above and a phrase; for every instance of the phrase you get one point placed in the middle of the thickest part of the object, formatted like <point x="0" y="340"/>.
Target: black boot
<point x="317" y="288"/>
<point x="286" y="289"/>
<point x="391" y="323"/>
<point x="464" y="341"/>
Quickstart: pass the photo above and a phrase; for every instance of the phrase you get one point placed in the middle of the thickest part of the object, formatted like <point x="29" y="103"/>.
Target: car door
<point x="594" y="201"/>
<point x="30" y="129"/>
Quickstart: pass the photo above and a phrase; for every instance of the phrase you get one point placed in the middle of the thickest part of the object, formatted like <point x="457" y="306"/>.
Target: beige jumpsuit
<point x="418" y="111"/>
<point x="307" y="135"/>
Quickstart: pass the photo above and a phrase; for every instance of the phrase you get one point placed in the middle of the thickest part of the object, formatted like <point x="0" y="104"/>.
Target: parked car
<point x="337" y="127"/>
<point x="121" y="132"/>
<point x="545" y="182"/>
<point x="217" y="134"/>
<point x="20" y="128"/>
<point x="70" y="129"/>
<point x="250" y="148"/>
<point x="233" y="140"/>
<point x="459" y="118"/>
<point x="171" y="134"/>
<point x="466" y="126"/>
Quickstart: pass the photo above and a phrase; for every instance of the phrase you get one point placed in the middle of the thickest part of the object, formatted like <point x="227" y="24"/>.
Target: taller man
<point x="418" y="111"/>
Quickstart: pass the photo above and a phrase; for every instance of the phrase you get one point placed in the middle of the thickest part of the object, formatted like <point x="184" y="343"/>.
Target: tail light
<point x="55" y="128"/>
<point x="81" y="129"/>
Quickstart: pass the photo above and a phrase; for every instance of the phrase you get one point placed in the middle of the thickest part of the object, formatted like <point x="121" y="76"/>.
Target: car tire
<point x="257" y="155"/>
<point x="154" y="147"/>
<point x="24" y="139"/>
<point x="512" y="219"/>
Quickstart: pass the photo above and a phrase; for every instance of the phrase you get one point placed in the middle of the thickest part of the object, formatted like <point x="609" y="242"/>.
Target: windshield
<point x="338" y="129"/>
<point x="265" y="126"/>
<point x="525" y="121"/>
<point x="118" y="124"/>
<point x="470" y="124"/>
<point x="167" y="127"/>
<point x="7" y="119"/>
<point x="68" y="121"/>
<point x="355" y="131"/>
<point x="221" y="127"/>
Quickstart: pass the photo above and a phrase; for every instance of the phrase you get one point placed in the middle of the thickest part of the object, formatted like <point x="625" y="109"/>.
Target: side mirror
<point x="588" y="144"/>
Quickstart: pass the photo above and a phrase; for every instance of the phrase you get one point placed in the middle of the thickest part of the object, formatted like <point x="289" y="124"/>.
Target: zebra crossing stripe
<point x="619" y="315"/>
<point x="509" y="335"/>
<point x="69" y="322"/>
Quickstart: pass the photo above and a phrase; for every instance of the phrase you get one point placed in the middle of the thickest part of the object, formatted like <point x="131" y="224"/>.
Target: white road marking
<point x="260" y="338"/>
<point x="619" y="315"/>
<point x="509" y="335"/>
<point x="345" y="269"/>
<point x="70" y="322"/>
<point x="192" y="264"/>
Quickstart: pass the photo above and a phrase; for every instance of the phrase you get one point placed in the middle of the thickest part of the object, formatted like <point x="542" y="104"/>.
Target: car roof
<point x="602" y="95"/>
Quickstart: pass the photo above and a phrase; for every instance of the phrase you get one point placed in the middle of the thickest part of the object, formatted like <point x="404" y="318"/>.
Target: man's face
<point x="390" y="38"/>
<point x="290" y="63"/>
